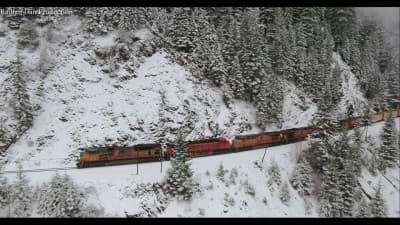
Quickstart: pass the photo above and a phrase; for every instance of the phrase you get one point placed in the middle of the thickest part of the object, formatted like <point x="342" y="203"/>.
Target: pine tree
<point x="21" y="103"/>
<point x="179" y="181"/>
<point x="252" y="54"/>
<point x="274" y="172"/>
<point x="387" y="153"/>
<point x="330" y="203"/>
<point x="356" y="151"/>
<point x="21" y="196"/>
<point x="4" y="191"/>
<point x="347" y="181"/>
<point x="322" y="141"/>
<point x="221" y="172"/>
<point x="269" y="99"/>
<point x="182" y="31"/>
<point x="301" y="179"/>
<point x="363" y="209"/>
<point x="377" y="204"/>
<point x="61" y="197"/>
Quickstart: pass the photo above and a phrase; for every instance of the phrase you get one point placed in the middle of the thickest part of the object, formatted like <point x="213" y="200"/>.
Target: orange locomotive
<point x="105" y="156"/>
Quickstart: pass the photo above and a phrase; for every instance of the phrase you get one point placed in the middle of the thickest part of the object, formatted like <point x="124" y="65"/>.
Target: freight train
<point x="116" y="155"/>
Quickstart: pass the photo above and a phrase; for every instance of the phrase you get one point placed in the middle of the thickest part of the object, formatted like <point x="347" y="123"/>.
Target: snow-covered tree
<point x="322" y="140"/>
<point x="377" y="204"/>
<point x="178" y="182"/>
<point x="274" y="173"/>
<point x="363" y="209"/>
<point x="182" y="31"/>
<point x="61" y="197"/>
<point x="28" y="36"/>
<point x="4" y="191"/>
<point x="387" y="152"/>
<point x="301" y="179"/>
<point x="20" y="97"/>
<point x="221" y="172"/>
<point x="356" y="151"/>
<point x="21" y="196"/>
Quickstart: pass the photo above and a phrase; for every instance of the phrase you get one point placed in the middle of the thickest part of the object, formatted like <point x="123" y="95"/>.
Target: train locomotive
<point x="116" y="155"/>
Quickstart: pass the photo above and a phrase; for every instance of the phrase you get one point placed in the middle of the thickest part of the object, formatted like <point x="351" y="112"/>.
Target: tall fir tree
<point x="179" y="181"/>
<point x="21" y="196"/>
<point x="20" y="100"/>
<point x="4" y="191"/>
<point x="387" y="152"/>
<point x="182" y="32"/>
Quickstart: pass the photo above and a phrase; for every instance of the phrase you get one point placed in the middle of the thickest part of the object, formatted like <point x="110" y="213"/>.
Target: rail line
<point x="151" y="160"/>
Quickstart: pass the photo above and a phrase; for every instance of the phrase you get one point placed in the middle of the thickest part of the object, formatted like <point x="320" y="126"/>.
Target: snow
<point x="352" y="94"/>
<point x="298" y="110"/>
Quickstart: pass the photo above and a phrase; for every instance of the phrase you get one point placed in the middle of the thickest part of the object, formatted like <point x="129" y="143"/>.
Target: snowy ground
<point x="111" y="182"/>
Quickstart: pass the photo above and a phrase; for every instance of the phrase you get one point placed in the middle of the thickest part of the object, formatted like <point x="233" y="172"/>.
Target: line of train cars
<point x="116" y="155"/>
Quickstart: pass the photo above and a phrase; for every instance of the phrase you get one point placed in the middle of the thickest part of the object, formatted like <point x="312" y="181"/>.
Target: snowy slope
<point x="82" y="107"/>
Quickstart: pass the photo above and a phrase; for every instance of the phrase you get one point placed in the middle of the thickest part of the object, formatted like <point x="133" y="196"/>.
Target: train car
<point x="245" y="142"/>
<point x="204" y="147"/>
<point x="349" y="123"/>
<point x="297" y="134"/>
<point x="113" y="155"/>
<point x="377" y="117"/>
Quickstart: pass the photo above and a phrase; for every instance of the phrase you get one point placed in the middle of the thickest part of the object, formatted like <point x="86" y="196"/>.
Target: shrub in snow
<point x="301" y="179"/>
<point x="202" y="212"/>
<point x="377" y="204"/>
<point x="249" y="189"/>
<point x="233" y="175"/>
<point x="285" y="194"/>
<point x="4" y="191"/>
<point x="61" y="197"/>
<point x="179" y="181"/>
<point x="265" y="201"/>
<point x="229" y="200"/>
<point x="221" y="172"/>
<point x="152" y="206"/>
<point x="21" y="196"/>
<point x="274" y="173"/>
<point x="363" y="209"/>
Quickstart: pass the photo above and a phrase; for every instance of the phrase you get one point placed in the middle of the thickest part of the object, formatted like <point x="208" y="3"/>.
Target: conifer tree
<point x="377" y="204"/>
<point x="4" y="191"/>
<point x="182" y="31"/>
<point x="21" y="103"/>
<point x="21" y="196"/>
<point x="363" y="209"/>
<point x="387" y="153"/>
<point x="61" y="197"/>
<point x="301" y="179"/>
<point x="179" y="181"/>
